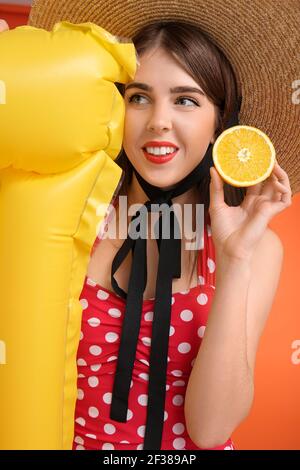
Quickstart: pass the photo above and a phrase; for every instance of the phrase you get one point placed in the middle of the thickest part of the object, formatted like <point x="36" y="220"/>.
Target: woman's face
<point x="156" y="114"/>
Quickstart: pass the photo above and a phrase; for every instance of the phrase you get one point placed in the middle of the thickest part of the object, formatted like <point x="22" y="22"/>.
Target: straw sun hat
<point x="261" y="39"/>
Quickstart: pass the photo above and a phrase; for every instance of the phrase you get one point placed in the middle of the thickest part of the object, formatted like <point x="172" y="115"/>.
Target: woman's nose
<point x="159" y="120"/>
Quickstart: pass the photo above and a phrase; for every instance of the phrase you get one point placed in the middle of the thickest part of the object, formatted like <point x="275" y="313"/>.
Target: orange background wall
<point x="275" y="416"/>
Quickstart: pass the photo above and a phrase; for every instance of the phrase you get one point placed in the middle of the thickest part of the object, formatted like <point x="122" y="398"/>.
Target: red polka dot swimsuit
<point x="102" y="318"/>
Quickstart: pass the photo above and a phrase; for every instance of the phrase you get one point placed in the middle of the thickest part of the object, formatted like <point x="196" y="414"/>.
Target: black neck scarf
<point x="169" y="267"/>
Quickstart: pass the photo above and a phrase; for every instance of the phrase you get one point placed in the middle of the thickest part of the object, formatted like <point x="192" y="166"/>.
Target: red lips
<point x="159" y="158"/>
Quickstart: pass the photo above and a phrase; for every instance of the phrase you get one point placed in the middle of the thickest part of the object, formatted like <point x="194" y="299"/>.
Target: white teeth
<point x="160" y="150"/>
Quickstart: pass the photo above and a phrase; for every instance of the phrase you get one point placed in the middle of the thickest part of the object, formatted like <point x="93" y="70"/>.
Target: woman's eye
<point x="194" y="102"/>
<point x="140" y="99"/>
<point x="135" y="99"/>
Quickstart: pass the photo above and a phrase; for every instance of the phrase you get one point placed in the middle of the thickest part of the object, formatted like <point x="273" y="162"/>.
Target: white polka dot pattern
<point x="111" y="337"/>
<point x="93" y="412"/>
<point x="186" y="315"/>
<point x="84" y="303"/>
<point x="107" y="446"/>
<point x="144" y="376"/>
<point x="141" y="431"/>
<point x="112" y="358"/>
<point x="79" y="440"/>
<point x="202" y="299"/>
<point x="172" y="330"/>
<point x="109" y="428"/>
<point x="178" y="400"/>
<point x="93" y="381"/>
<point x="177" y="373"/>
<point x="146" y="341"/>
<point x="201" y="331"/>
<point x="149" y="316"/>
<point x="107" y="398"/>
<point x="80" y="421"/>
<point x="94" y="321"/>
<point x="184" y="348"/>
<point x="144" y="361"/>
<point x="81" y="362"/>
<point x="143" y="400"/>
<point x="179" y="443"/>
<point x="178" y="428"/>
<point x="211" y="265"/>
<point x="114" y="312"/>
<point x="102" y="319"/>
<point x="95" y="350"/>
<point x="102" y="295"/>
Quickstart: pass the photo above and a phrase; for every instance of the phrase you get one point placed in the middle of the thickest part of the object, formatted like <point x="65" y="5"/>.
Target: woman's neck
<point x="136" y="195"/>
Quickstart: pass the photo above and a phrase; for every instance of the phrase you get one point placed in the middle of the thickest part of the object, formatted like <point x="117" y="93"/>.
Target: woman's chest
<point x="99" y="268"/>
<point x="103" y="318"/>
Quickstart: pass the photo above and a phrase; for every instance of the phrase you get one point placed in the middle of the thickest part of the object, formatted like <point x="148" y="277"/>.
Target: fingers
<point x="3" y="26"/>
<point x="268" y="186"/>
<point x="282" y="184"/>
<point x="278" y="190"/>
<point x="276" y="187"/>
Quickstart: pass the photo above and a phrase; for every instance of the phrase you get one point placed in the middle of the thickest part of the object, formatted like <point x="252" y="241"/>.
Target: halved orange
<point x="243" y="155"/>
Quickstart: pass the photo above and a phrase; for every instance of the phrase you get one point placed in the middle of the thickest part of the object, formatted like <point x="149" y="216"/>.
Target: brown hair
<point x="209" y="67"/>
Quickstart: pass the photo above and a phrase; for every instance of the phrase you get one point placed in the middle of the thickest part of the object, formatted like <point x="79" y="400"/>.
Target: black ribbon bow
<point x="169" y="267"/>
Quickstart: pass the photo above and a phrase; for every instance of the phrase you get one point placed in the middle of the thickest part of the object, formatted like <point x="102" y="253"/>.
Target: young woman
<point x="169" y="335"/>
<point x="209" y="390"/>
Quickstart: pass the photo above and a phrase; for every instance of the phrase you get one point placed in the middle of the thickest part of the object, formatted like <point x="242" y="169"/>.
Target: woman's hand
<point x="3" y="26"/>
<point x="237" y="230"/>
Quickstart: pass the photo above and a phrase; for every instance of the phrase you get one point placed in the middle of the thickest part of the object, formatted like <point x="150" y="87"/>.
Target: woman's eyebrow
<point x="178" y="89"/>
